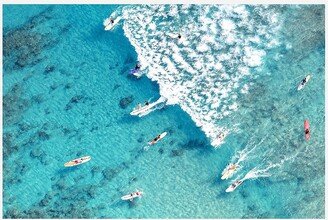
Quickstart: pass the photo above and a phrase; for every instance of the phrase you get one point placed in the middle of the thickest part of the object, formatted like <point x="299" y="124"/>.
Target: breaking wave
<point x="202" y="56"/>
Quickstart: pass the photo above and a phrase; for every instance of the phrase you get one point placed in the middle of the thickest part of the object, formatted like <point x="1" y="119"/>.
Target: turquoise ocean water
<point x="67" y="93"/>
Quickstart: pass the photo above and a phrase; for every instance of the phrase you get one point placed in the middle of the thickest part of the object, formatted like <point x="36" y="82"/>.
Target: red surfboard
<point x="307" y="129"/>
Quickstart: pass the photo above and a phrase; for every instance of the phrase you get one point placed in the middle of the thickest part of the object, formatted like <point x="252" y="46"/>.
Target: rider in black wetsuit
<point x="137" y="66"/>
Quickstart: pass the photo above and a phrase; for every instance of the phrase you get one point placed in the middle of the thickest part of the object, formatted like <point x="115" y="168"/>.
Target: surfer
<point x="137" y="67"/>
<point x="156" y="138"/>
<point x="221" y="136"/>
<point x="131" y="196"/>
<point x="154" y="141"/>
<point x="233" y="186"/>
<point x="304" y="82"/>
<point x="232" y="167"/>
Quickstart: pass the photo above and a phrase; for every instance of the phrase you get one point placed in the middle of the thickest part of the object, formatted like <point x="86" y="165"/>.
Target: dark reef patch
<point x="110" y="173"/>
<point x="23" y="46"/>
<point x="116" y="87"/>
<point x="177" y="152"/>
<point x="94" y="128"/>
<point x="49" y="69"/>
<point x="113" y="66"/>
<point x="68" y="86"/>
<point x="37" y="99"/>
<point x="23" y="127"/>
<point x="43" y="136"/>
<point x="8" y="145"/>
<point x="140" y="140"/>
<point x="70" y="202"/>
<point x="95" y="170"/>
<point x="75" y="100"/>
<point x="36" y="153"/>
<point x="47" y="111"/>
<point x="124" y="102"/>
<point x="161" y="150"/>
<point x="14" y="105"/>
<point x="193" y="145"/>
<point x="53" y="87"/>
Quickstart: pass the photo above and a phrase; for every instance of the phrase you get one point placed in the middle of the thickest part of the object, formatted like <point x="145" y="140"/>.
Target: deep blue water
<point x="66" y="93"/>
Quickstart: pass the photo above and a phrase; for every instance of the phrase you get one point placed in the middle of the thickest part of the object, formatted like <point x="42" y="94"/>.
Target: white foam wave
<point x="203" y="71"/>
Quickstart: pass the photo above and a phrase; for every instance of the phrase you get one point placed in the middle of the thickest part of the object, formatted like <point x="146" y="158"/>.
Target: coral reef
<point x="126" y="101"/>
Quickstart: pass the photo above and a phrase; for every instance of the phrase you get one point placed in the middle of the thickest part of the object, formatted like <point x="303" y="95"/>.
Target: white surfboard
<point x="131" y="196"/>
<point x="229" y="171"/>
<point x="110" y="25"/>
<point x="77" y="161"/>
<point x="152" y="142"/>
<point x="144" y="110"/>
<point x="161" y="136"/>
<point x="301" y="85"/>
<point x="233" y="186"/>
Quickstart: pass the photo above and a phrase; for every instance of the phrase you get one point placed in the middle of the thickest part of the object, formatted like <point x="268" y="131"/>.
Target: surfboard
<point x="108" y="25"/>
<point x="77" y="161"/>
<point x="161" y="136"/>
<point x="227" y="173"/>
<point x="307" y="126"/>
<point x="131" y="196"/>
<point x="301" y="86"/>
<point x="233" y="186"/>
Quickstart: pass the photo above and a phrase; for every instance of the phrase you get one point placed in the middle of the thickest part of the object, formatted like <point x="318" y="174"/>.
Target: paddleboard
<point x="301" y="86"/>
<point x="109" y="25"/>
<point x="136" y="111"/>
<point x="307" y="126"/>
<point x="142" y="111"/>
<point x="233" y="186"/>
<point x="131" y="196"/>
<point x="161" y="136"/>
<point x="228" y="172"/>
<point x="137" y="73"/>
<point x="77" y="161"/>
<point x="133" y="71"/>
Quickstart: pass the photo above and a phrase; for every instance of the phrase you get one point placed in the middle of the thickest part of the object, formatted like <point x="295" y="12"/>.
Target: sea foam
<point x="203" y="71"/>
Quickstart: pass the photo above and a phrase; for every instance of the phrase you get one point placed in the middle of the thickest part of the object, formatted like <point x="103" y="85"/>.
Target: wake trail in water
<point x="258" y="172"/>
<point x="246" y="151"/>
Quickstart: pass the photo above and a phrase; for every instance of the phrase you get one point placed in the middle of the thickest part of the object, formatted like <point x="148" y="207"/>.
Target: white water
<point x="242" y="155"/>
<point x="210" y="66"/>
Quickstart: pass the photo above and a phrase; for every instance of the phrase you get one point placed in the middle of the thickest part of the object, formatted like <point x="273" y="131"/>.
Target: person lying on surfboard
<point x="78" y="161"/>
<point x="233" y="167"/>
<point x="156" y="138"/>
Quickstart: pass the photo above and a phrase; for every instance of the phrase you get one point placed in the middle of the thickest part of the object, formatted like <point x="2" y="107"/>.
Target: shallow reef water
<point x="67" y="94"/>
